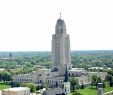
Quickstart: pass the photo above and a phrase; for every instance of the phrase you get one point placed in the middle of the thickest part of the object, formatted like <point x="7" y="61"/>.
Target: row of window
<point x="73" y="74"/>
<point x="21" y="80"/>
<point x="41" y="75"/>
<point x="54" y="82"/>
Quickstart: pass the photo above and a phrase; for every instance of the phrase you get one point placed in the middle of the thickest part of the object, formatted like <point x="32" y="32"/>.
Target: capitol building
<point x="61" y="67"/>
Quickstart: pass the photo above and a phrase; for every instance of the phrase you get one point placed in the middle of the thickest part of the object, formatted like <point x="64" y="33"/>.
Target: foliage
<point x="14" y="84"/>
<point x="74" y="83"/>
<point x="30" y="85"/>
<point x="5" y="76"/>
<point x="37" y="87"/>
<point x="109" y="78"/>
<point x="26" y="62"/>
<point x="95" y="80"/>
<point x="82" y="86"/>
<point x="88" y="59"/>
<point x="4" y="86"/>
<point x="78" y="58"/>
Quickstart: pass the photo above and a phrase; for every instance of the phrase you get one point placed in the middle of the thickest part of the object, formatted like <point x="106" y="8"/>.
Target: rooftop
<point x="16" y="89"/>
<point x="77" y="69"/>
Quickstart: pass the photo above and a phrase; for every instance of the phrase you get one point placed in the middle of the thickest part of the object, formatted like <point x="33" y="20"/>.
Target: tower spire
<point x="66" y="75"/>
<point x="60" y="14"/>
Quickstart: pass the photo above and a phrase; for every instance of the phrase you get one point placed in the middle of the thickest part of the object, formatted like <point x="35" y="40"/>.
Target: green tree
<point x="37" y="87"/>
<point x="96" y="80"/>
<point x="30" y="85"/>
<point x="74" y="82"/>
<point x="5" y="76"/>
<point x="99" y="79"/>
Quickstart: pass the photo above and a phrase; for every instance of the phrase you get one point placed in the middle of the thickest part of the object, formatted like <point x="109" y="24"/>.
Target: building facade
<point x="60" y="48"/>
<point x="60" y="63"/>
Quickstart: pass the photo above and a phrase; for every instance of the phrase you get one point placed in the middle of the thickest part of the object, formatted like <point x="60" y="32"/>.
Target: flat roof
<point x="77" y="69"/>
<point x="45" y="69"/>
<point x="16" y="89"/>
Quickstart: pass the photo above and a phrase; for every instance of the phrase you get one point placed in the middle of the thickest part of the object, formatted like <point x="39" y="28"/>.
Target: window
<point x="65" y="88"/>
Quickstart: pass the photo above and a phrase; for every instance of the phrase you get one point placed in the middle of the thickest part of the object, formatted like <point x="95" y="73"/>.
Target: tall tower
<point x="60" y="48"/>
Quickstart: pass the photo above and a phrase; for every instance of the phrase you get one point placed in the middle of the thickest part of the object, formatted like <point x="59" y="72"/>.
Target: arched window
<point x="69" y="74"/>
<point x="61" y="31"/>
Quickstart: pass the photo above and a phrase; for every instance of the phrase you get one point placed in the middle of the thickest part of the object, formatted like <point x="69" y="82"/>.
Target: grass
<point x="89" y="91"/>
<point x="93" y="91"/>
<point x="4" y="86"/>
<point x="107" y="89"/>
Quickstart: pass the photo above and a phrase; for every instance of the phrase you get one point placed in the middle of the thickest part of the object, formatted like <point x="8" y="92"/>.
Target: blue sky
<point x="28" y="25"/>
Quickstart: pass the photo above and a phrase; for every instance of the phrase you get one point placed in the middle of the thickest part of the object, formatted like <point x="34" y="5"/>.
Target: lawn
<point x="89" y="91"/>
<point x="93" y="91"/>
<point x="4" y="86"/>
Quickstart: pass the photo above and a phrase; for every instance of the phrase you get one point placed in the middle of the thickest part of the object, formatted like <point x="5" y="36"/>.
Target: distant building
<point x="60" y="61"/>
<point x="96" y="68"/>
<point x="16" y="91"/>
<point x="60" y="48"/>
<point x="2" y="69"/>
<point x="60" y="90"/>
<point x="60" y="64"/>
